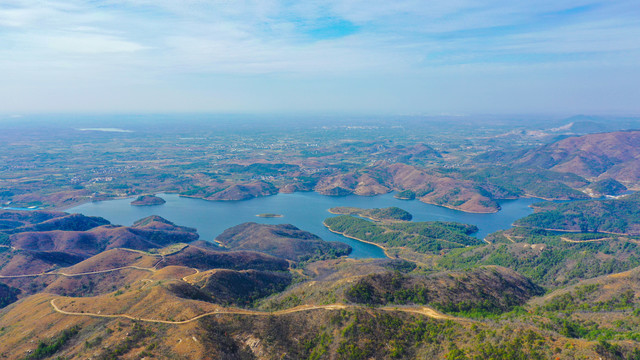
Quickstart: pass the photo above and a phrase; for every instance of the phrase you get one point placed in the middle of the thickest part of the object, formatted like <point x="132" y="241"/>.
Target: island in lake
<point x="270" y="215"/>
<point x="391" y="213"/>
<point x="148" y="200"/>
<point x="405" y="195"/>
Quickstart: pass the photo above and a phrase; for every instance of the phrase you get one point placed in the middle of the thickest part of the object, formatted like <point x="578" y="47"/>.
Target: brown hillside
<point x="241" y="287"/>
<point x="431" y="188"/>
<point x="415" y="152"/>
<point x="385" y="333"/>
<point x="20" y="262"/>
<point x="113" y="258"/>
<point x="378" y="282"/>
<point x="285" y="241"/>
<point x="67" y="222"/>
<point x="438" y="190"/>
<point x="173" y="272"/>
<point x="627" y="172"/>
<point x="368" y="185"/>
<point x="76" y="242"/>
<point x="129" y="267"/>
<point x="491" y="289"/>
<point x="33" y="253"/>
<point x="148" y="200"/>
<point x="589" y="155"/>
<point x="605" y="292"/>
<point x="155" y="222"/>
<point x="338" y="185"/>
<point x="95" y="284"/>
<point x="88" y="282"/>
<point x="607" y="302"/>
<point x="10" y="219"/>
<point x="166" y="300"/>
<point x="88" y="243"/>
<point x="206" y="259"/>
<point x="245" y="191"/>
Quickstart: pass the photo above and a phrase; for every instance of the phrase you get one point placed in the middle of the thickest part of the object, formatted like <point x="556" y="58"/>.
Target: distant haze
<point x="354" y="56"/>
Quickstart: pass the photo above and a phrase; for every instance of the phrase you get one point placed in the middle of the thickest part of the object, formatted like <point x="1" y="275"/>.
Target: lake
<point x="306" y="210"/>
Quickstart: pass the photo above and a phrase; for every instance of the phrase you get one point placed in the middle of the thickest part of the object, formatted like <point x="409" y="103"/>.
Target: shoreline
<point x="84" y="201"/>
<point x="525" y="196"/>
<point x="385" y="250"/>
<point x="355" y="238"/>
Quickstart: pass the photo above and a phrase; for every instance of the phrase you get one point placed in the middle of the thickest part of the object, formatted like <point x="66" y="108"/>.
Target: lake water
<point x="306" y="210"/>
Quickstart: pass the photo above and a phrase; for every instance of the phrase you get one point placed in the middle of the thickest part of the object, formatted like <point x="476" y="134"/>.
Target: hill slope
<point x="22" y="221"/>
<point x="54" y="245"/>
<point x="487" y="289"/>
<point x="390" y="213"/>
<point x="590" y="155"/>
<point x="620" y="216"/>
<point x="423" y="237"/>
<point x="286" y="241"/>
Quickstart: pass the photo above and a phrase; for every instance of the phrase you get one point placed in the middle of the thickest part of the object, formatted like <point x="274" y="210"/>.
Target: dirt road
<point x="426" y="311"/>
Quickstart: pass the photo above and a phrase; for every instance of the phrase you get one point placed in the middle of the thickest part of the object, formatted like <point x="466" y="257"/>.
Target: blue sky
<point x="333" y="56"/>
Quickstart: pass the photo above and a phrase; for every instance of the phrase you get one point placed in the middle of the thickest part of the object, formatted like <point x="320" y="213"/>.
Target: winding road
<point x="414" y="310"/>
<point x="151" y="269"/>
<point x="79" y="274"/>
<point x="427" y="311"/>
<point x="566" y="239"/>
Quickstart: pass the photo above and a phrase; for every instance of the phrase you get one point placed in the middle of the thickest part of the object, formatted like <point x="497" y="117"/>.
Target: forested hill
<point x="620" y="216"/>
<point x="391" y="213"/>
<point x="423" y="237"/>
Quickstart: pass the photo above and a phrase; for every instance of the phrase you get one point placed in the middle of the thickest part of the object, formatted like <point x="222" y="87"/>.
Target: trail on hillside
<point x="565" y="239"/>
<point x="79" y="274"/>
<point x="426" y="311"/>
<point x="151" y="269"/>
<point x="196" y="273"/>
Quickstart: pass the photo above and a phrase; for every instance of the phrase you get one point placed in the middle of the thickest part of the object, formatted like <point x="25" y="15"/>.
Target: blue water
<point x="306" y="210"/>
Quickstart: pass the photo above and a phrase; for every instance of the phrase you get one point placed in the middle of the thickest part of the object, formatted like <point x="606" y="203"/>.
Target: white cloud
<point x="83" y="43"/>
<point x="410" y="46"/>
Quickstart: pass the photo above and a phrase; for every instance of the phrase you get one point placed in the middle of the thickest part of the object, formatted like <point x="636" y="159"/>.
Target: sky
<point x="401" y="57"/>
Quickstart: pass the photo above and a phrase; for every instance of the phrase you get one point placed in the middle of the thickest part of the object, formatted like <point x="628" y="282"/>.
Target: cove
<point x="306" y="210"/>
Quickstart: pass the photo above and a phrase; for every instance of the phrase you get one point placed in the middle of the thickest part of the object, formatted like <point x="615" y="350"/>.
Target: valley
<point x="377" y="244"/>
